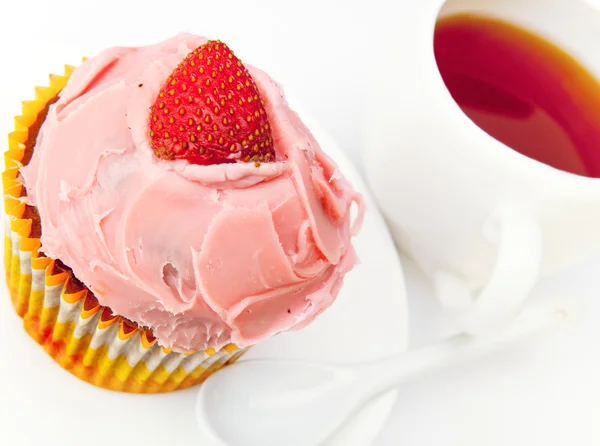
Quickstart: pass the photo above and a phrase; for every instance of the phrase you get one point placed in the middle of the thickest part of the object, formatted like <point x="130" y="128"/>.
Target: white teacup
<point x="484" y="221"/>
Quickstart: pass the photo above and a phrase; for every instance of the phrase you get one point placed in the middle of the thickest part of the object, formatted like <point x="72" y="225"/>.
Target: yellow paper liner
<point x="63" y="316"/>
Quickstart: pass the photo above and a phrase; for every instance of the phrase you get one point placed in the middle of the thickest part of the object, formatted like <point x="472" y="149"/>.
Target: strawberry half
<point x="210" y="111"/>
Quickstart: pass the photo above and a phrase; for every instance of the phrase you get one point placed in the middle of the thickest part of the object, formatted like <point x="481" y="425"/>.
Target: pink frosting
<point x="203" y="255"/>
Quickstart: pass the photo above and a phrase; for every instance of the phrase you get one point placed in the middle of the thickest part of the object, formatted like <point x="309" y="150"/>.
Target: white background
<point x="546" y="393"/>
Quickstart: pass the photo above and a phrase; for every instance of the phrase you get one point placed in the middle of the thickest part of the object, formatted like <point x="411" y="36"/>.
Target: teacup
<point x="482" y="220"/>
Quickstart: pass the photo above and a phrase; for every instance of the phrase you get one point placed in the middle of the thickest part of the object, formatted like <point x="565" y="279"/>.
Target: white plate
<point x="42" y="404"/>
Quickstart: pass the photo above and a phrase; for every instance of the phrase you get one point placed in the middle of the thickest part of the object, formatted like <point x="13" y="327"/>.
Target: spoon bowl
<point x="296" y="390"/>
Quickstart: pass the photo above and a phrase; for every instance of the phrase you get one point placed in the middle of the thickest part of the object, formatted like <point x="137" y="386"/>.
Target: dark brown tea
<point x="522" y="90"/>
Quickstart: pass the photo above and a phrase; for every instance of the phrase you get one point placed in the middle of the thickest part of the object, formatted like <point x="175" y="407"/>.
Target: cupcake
<point x="166" y="210"/>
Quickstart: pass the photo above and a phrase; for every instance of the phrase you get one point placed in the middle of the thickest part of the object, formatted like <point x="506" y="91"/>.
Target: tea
<point x="522" y="90"/>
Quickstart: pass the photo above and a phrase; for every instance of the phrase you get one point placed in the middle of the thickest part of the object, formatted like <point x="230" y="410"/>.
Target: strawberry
<point x="210" y="112"/>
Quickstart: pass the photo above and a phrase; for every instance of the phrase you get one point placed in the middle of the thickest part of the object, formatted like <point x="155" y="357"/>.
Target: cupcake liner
<point x="61" y="314"/>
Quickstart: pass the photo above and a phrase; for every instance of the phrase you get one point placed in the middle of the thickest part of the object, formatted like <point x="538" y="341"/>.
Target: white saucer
<point x="539" y="392"/>
<point x="42" y="404"/>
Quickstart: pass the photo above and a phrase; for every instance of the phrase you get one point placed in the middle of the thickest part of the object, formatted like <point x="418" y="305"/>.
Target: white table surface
<point x="543" y="393"/>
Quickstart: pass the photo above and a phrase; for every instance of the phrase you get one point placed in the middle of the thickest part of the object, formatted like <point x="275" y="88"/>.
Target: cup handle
<point x="519" y="241"/>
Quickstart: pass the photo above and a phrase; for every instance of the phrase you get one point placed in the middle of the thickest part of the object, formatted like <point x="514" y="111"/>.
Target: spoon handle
<point x="389" y="372"/>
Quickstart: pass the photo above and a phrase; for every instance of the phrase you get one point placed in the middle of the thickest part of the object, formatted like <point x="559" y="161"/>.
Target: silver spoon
<point x="298" y="403"/>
